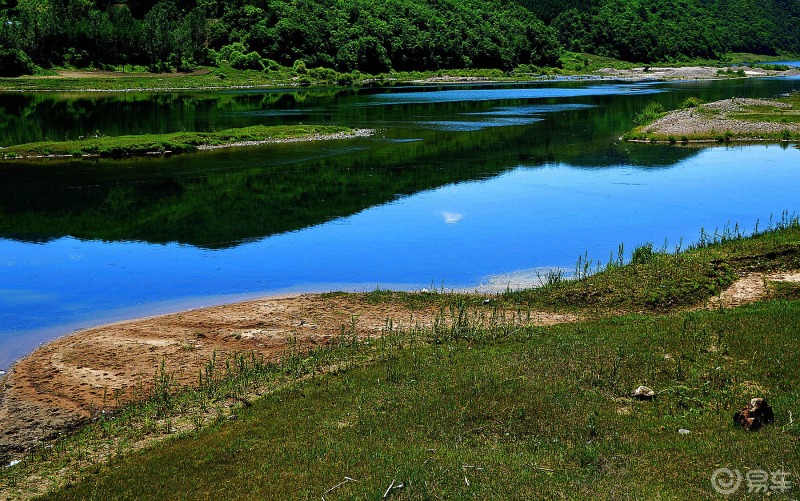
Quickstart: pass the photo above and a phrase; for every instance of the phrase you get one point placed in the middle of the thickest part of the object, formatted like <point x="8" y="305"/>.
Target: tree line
<point x="375" y="37"/>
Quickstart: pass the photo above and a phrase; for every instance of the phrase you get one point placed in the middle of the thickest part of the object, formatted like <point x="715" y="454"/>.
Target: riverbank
<point x="580" y="66"/>
<point x="201" y="368"/>
<point x="178" y="142"/>
<point x="736" y="119"/>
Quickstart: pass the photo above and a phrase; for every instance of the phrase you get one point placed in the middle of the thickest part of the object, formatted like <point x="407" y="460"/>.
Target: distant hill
<point x="374" y="37"/>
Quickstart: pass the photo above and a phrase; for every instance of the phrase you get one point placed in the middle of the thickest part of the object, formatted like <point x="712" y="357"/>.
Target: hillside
<point x="376" y="37"/>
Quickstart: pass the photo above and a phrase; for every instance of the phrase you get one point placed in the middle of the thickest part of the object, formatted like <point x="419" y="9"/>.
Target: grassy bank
<point x="176" y="142"/>
<point x="225" y="77"/>
<point x="723" y="121"/>
<point x="533" y="413"/>
<point x="480" y="404"/>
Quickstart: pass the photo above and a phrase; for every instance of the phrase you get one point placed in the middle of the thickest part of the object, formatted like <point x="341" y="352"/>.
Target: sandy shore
<point x="314" y="137"/>
<point x="64" y="382"/>
<point x="690" y="73"/>
<point x="708" y="121"/>
<point x="68" y="380"/>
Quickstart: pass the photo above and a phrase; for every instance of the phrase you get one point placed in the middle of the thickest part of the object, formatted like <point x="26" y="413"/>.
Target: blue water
<point x="482" y="234"/>
<point x="458" y="236"/>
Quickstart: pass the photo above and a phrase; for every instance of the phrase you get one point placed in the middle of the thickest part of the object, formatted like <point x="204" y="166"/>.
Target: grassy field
<point x="176" y="142"/>
<point x="480" y="405"/>
<point x="540" y="413"/>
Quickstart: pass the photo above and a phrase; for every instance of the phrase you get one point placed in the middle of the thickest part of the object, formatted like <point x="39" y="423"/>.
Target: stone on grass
<point x="643" y="393"/>
<point x="752" y="416"/>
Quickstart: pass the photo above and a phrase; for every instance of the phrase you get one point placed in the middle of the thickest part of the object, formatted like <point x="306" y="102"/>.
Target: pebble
<point x="684" y="431"/>
<point x="643" y="393"/>
<point x="691" y="121"/>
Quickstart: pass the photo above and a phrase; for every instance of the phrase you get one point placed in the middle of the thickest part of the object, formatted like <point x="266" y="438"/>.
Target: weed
<point x="651" y="112"/>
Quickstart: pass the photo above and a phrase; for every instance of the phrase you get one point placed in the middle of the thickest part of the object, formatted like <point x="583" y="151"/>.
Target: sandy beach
<point x="65" y="382"/>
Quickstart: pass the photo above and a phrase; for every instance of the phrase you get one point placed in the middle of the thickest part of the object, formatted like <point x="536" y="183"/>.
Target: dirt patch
<point x="62" y="383"/>
<point x="750" y="288"/>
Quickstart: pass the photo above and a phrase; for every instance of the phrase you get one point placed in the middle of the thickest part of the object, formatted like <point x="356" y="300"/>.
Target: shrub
<point x="227" y="52"/>
<point x="14" y="62"/>
<point x="271" y="65"/>
<point x="652" y="112"/>
<point x="300" y="67"/>
<point x="249" y="61"/>
<point x="643" y="254"/>
<point x="691" y="102"/>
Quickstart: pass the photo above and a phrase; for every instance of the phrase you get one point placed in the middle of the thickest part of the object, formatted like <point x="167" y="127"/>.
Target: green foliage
<point x="652" y="112"/>
<point x="250" y="61"/>
<point x="14" y="62"/>
<point x="691" y="102"/>
<point x="402" y="35"/>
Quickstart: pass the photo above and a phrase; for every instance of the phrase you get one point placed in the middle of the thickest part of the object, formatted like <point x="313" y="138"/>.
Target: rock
<point x="643" y="393"/>
<point x="684" y="431"/>
<point x="754" y="415"/>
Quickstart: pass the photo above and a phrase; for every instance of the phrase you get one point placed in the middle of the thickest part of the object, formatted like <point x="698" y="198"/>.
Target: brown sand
<point x="63" y="382"/>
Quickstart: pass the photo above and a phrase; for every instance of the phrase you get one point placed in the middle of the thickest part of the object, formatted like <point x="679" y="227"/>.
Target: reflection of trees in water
<point x="207" y="205"/>
<point x="220" y="199"/>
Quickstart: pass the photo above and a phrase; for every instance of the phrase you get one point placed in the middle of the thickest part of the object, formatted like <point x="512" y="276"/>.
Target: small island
<point x="177" y="142"/>
<point x="728" y="120"/>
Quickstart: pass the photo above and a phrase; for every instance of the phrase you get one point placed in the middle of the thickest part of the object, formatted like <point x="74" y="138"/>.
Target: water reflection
<point x="84" y="241"/>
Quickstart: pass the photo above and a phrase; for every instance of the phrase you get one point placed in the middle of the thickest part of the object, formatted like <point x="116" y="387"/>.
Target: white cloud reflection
<point x="451" y="217"/>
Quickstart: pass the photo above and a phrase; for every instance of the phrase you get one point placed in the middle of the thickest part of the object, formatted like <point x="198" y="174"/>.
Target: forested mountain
<point x="375" y="37"/>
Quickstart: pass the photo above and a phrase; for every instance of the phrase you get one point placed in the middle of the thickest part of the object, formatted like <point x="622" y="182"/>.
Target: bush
<point x="14" y="62"/>
<point x="643" y="254"/>
<point x="271" y="65"/>
<point x="227" y="52"/>
<point x="691" y="102"/>
<point x="249" y="61"/>
<point x="652" y="112"/>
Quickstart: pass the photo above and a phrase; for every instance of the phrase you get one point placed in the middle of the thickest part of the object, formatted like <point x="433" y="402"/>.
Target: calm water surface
<point x="461" y="188"/>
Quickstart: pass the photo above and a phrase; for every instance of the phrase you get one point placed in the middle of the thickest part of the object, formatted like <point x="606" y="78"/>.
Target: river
<point x="462" y="187"/>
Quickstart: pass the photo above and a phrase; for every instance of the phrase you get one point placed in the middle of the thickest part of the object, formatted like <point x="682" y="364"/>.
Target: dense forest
<point x="376" y="37"/>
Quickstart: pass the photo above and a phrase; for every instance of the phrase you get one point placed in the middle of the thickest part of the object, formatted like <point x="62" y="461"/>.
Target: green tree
<point x="159" y="42"/>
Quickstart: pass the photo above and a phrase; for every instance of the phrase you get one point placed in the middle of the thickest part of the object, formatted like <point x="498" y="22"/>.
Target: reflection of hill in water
<point x="222" y="198"/>
<point x="194" y="200"/>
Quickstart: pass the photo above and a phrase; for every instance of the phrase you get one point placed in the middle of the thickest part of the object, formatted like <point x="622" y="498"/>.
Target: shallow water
<point x="461" y="188"/>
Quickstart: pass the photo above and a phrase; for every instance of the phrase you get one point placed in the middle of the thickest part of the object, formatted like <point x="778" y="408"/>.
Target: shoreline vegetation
<point x="177" y="142"/>
<point x="463" y="379"/>
<point x="724" y="121"/>
<point x="571" y="65"/>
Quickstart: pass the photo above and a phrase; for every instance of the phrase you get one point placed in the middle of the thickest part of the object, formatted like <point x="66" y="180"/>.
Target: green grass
<point x="176" y="142"/>
<point x="481" y="404"/>
<point x="543" y="412"/>
<point x="661" y="280"/>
